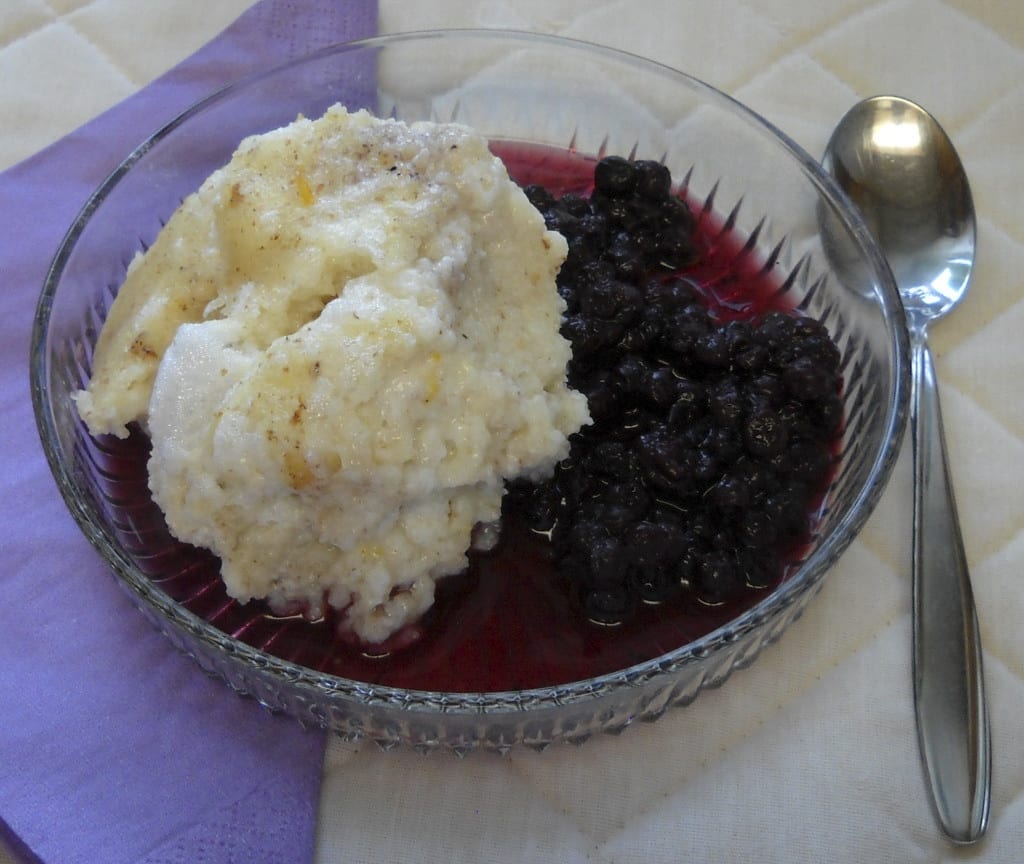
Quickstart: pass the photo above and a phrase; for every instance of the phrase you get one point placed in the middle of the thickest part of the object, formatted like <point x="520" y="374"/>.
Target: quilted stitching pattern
<point x="62" y="62"/>
<point x="811" y="753"/>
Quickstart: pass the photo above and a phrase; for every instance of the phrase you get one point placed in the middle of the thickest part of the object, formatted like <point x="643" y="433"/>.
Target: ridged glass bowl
<point x="511" y="87"/>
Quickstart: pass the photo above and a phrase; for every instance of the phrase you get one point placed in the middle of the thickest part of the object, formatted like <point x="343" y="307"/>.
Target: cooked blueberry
<point x="775" y="330"/>
<point x="586" y="335"/>
<point x="654" y="586"/>
<point x="797" y="419"/>
<point x="788" y="511"/>
<point x="660" y="386"/>
<point x="608" y="605"/>
<point x="809" y="460"/>
<point x="642" y="333"/>
<point x="593" y="272"/>
<point x="726" y="403"/>
<point x="751" y="359"/>
<point x="685" y="326"/>
<point x="765" y="434"/>
<point x="616" y="211"/>
<point x="806" y="379"/>
<point x="612" y="459"/>
<point x="758" y="474"/>
<point x="730" y="494"/>
<point x="690" y="401"/>
<point x="602" y="398"/>
<point x="718" y="579"/>
<point x="542" y="507"/>
<point x="575" y="204"/>
<point x="655" y="543"/>
<point x="631" y="372"/>
<point x="672" y="293"/>
<point x="675" y="220"/>
<point x="830" y="415"/>
<point x="667" y="463"/>
<point x="706" y="465"/>
<point x="653" y="180"/>
<point x="712" y="349"/>
<point x="602" y="298"/>
<point x="625" y="255"/>
<point x="766" y="388"/>
<point x="724" y="442"/>
<point x="615" y="176"/>
<point x="538" y="196"/>
<point x="762" y="569"/>
<point x="594" y="224"/>
<point x="674" y="250"/>
<point x="757" y="530"/>
<point x="606" y="563"/>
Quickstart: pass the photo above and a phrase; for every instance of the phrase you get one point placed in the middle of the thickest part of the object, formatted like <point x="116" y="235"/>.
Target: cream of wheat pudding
<point x="341" y="346"/>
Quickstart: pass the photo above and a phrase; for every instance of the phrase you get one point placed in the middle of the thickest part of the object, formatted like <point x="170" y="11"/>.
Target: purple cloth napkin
<point x="115" y="748"/>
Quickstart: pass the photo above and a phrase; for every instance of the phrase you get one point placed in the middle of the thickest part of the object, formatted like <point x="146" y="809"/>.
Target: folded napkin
<point x="115" y="747"/>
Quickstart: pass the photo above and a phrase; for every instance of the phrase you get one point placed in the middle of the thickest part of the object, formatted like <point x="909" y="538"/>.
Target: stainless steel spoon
<point x="899" y="167"/>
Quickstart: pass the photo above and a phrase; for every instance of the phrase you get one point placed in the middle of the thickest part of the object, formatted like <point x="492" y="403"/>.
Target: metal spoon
<point x="899" y="167"/>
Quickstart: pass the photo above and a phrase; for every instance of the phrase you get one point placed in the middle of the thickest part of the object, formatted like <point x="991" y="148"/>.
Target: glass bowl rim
<point x="661" y="667"/>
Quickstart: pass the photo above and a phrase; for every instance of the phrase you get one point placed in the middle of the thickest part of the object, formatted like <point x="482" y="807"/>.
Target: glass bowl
<point x="512" y="87"/>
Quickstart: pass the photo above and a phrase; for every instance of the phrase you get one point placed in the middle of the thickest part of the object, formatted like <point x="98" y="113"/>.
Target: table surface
<point x="811" y="751"/>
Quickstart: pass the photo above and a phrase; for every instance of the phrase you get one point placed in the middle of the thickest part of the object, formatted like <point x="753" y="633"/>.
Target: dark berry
<point x="586" y="335"/>
<point x="726" y="443"/>
<point x="690" y="401"/>
<point x="726" y="403"/>
<point x="730" y="494"/>
<point x="607" y="606"/>
<point x="766" y="388"/>
<point x="675" y="216"/>
<point x="612" y="459"/>
<point x="809" y="460"/>
<point x="631" y="373"/>
<point x="575" y="204"/>
<point x="625" y="255"/>
<point x="654" y="586"/>
<point x="706" y="466"/>
<point x="757" y="530"/>
<point x="667" y="463"/>
<point x="562" y="221"/>
<point x="605" y="298"/>
<point x="830" y="415"/>
<point x="594" y="224"/>
<point x="718" y="579"/>
<point x="642" y="333"/>
<point x="765" y="434"/>
<point x="655" y="543"/>
<point x="541" y="506"/>
<point x="669" y="294"/>
<point x="806" y="379"/>
<point x="674" y="250"/>
<point x="685" y="326"/>
<point x="653" y="180"/>
<point x="615" y="176"/>
<point x="712" y="349"/>
<point x="602" y="397"/>
<point x="539" y="197"/>
<point x="660" y="386"/>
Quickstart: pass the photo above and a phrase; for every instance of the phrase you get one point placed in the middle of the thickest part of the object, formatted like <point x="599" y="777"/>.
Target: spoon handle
<point x="949" y="696"/>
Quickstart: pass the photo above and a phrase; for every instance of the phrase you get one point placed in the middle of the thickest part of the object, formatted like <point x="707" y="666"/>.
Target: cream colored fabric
<point x="810" y="754"/>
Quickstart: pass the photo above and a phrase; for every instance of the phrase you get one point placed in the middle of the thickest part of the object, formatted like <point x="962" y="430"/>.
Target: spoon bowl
<point x="900" y="169"/>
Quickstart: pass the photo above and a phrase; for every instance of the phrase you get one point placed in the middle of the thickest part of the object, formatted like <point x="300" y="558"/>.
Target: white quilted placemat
<point x="810" y="754"/>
